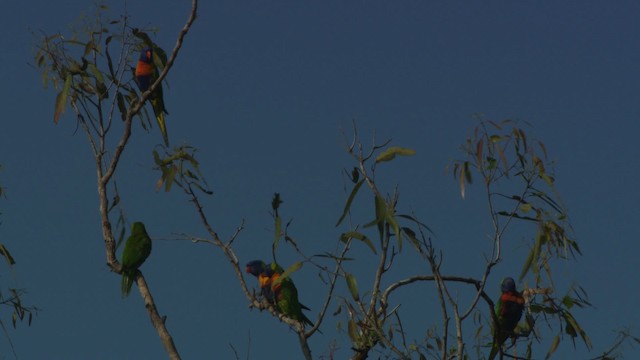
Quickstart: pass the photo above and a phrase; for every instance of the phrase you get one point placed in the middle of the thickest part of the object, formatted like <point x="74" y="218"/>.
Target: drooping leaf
<point x="553" y="347"/>
<point x="503" y="158"/>
<point x="465" y="175"/>
<point x="353" y="286"/>
<point x="359" y="236"/>
<point x="467" y="172"/>
<point x="287" y="273"/>
<point x="5" y="252"/>
<point x="381" y="210"/>
<point x="527" y="264"/>
<point x="109" y="61"/>
<point x="391" y="220"/>
<point x="61" y="99"/>
<point x="353" y="331"/>
<point x="347" y="206"/>
<point x="355" y="175"/>
<point x="526" y="207"/>
<point x="479" y="150"/>
<point x="100" y="85"/>
<point x="277" y="232"/>
<point x="419" y="223"/>
<point x="571" y="322"/>
<point x="411" y="235"/>
<point x="122" y="108"/>
<point x="522" y="136"/>
<point x="492" y="163"/>
<point x="391" y="153"/>
<point x="170" y="177"/>
<point x="275" y="203"/>
<point x="548" y="179"/>
<point x="143" y="36"/>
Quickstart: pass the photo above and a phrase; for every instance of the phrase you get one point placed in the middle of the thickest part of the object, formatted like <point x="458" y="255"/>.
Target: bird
<point x="283" y="293"/>
<point x="136" y="251"/>
<point x="286" y="295"/>
<point x="261" y="270"/>
<point x="146" y="73"/>
<point x="508" y="312"/>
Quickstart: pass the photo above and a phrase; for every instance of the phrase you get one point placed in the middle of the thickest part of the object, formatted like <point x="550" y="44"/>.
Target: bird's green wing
<point x="136" y="251"/>
<point x="287" y="301"/>
<point x="157" y="102"/>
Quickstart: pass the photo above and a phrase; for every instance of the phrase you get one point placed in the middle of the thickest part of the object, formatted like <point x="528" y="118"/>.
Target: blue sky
<point x="264" y="90"/>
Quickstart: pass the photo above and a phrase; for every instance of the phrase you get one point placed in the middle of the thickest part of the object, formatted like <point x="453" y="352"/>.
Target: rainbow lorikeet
<point x="283" y="294"/>
<point x="146" y="73"/>
<point x="136" y="251"/>
<point x="286" y="295"/>
<point x="262" y="271"/>
<point x="508" y="311"/>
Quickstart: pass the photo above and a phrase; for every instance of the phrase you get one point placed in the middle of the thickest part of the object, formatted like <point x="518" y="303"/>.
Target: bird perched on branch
<point x="136" y="251"/>
<point x="281" y="292"/>
<point x="146" y="74"/>
<point x="508" y="311"/>
<point x="261" y="270"/>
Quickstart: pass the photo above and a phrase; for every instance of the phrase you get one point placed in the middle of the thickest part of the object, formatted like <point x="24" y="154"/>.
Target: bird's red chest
<point x="510" y="302"/>
<point x="144" y="68"/>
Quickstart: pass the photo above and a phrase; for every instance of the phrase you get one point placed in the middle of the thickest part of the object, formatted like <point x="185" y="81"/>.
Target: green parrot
<point x="136" y="251"/>
<point x="286" y="295"/>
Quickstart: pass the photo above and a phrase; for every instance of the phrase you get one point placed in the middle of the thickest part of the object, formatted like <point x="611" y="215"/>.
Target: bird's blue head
<point x="256" y="267"/>
<point x="146" y="55"/>
<point x="508" y="285"/>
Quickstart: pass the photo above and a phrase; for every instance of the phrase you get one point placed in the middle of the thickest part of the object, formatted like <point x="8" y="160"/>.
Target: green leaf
<point x="275" y="202"/>
<point x="353" y="331"/>
<point x="462" y="176"/>
<point x="277" y="232"/>
<point x="347" y="206"/>
<point x="479" y="150"/>
<point x="381" y="213"/>
<point x="61" y="99"/>
<point x="143" y="36"/>
<point x="5" y="252"/>
<point x="109" y="61"/>
<point x="100" y="86"/>
<point x="548" y="179"/>
<point x="355" y="175"/>
<point x="409" y="217"/>
<point x="492" y="163"/>
<point x="568" y="302"/>
<point x="531" y="257"/>
<point x="122" y="108"/>
<point x="504" y="160"/>
<point x="525" y="207"/>
<point x="356" y="235"/>
<point x="553" y="347"/>
<point x="467" y="172"/>
<point x="391" y="220"/>
<point x="495" y="138"/>
<point x="287" y="273"/>
<point x="570" y="330"/>
<point x="353" y="286"/>
<point x="573" y="324"/>
<point x="411" y="235"/>
<point x="391" y="153"/>
<point x="169" y="177"/>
